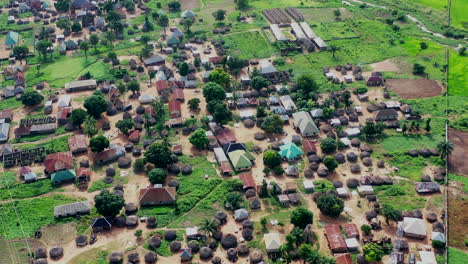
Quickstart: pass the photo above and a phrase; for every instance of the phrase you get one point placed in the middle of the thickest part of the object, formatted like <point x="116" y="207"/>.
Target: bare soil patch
<point x="457" y="221"/>
<point x="457" y="159"/>
<point x="188" y="4"/>
<point x="385" y="65"/>
<point x="411" y="89"/>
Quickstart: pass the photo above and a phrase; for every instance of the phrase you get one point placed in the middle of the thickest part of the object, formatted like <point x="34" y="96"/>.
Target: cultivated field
<point x="411" y="89"/>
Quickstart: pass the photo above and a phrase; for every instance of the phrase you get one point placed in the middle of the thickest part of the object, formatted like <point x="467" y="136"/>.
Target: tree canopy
<point x="258" y="82"/>
<point x="330" y="162"/>
<point x="271" y="158"/>
<point x="96" y="104"/>
<point x="31" y="98"/>
<point x="78" y="116"/>
<point x="125" y="125"/>
<point x="157" y="176"/>
<point x="330" y="205"/>
<point x="220" y="76"/>
<point x="213" y="91"/>
<point x="199" y="139"/>
<point x="273" y="124"/>
<point x="159" y="154"/>
<point x="301" y="217"/>
<point x="108" y="204"/>
<point x="328" y="145"/>
<point x="373" y="252"/>
<point x="99" y="143"/>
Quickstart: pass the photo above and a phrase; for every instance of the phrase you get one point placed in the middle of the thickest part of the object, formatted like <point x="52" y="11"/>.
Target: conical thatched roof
<point x="151" y="222"/>
<point x="364" y="154"/>
<point x="216" y="260"/>
<point x="130" y="208"/>
<point x="365" y="147"/>
<point x="154" y="242"/>
<point x="431" y="217"/>
<point x="256" y="256"/>
<point x="175" y="246"/>
<point x="247" y="234"/>
<point x="340" y="158"/>
<point x="250" y="193"/>
<point x="337" y="184"/>
<point x="56" y="252"/>
<point x="367" y="162"/>
<point x="110" y="172"/>
<point x="322" y="172"/>
<point x="355" y="168"/>
<point x="218" y="235"/>
<point x="351" y="156"/>
<point x="229" y="241"/>
<point x="116" y="257"/>
<point x="186" y="169"/>
<point x="40" y="261"/>
<point x="352" y="183"/>
<point x="255" y="203"/>
<point x="355" y="142"/>
<point x="170" y="235"/>
<point x="380" y="164"/>
<point x="40" y="252"/>
<point x="81" y="240"/>
<point x="243" y="249"/>
<point x="221" y="216"/>
<point x="205" y="253"/>
<point x="134" y="257"/>
<point x="438" y="225"/>
<point x="124" y="162"/>
<point x="151" y="258"/>
<point x="140" y="110"/>
<point x="194" y="246"/>
<point x="131" y="221"/>
<point x="232" y="254"/>
<point x="247" y="224"/>
<point x="370" y="214"/>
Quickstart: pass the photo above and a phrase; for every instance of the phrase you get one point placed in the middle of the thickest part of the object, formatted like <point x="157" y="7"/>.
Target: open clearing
<point x="457" y="160"/>
<point x="188" y="4"/>
<point x="458" y="13"/>
<point x="385" y="65"/>
<point x="410" y="89"/>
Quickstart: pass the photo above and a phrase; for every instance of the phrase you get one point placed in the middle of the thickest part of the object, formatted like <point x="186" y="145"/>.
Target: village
<point x="145" y="132"/>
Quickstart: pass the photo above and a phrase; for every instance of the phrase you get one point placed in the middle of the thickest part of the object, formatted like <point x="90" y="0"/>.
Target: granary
<point x="64" y="101"/>
<point x="58" y="161"/>
<point x="272" y="242"/>
<point x="241" y="214"/>
<point x="352" y="244"/>
<point x="413" y="227"/>
<point x="82" y="85"/>
<point x="78" y="144"/>
<point x="230" y="147"/>
<point x="344" y="259"/>
<point x="154" y="61"/>
<point x="335" y="238"/>
<point x="386" y="115"/>
<point x="288" y="103"/>
<point x="365" y="190"/>
<point x="290" y="152"/>
<point x="308" y="185"/>
<point x="320" y="43"/>
<point x="427" y="187"/>
<point x="241" y="160"/>
<point x="304" y="123"/>
<point x="248" y="181"/>
<point x="4" y="132"/>
<point x="63" y="115"/>
<point x="175" y="109"/>
<point x="63" y="176"/>
<point x="279" y="36"/>
<point x="110" y="155"/>
<point x="309" y="147"/>
<point x="101" y="224"/>
<point x="11" y="39"/>
<point x="157" y="196"/>
<point x="375" y="81"/>
<point x="72" y="209"/>
<point x="351" y="230"/>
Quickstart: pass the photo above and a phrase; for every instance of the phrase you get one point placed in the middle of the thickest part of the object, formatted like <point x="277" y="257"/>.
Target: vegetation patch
<point x="460" y="179"/>
<point x="458" y="81"/>
<point x="456" y="256"/>
<point x="54" y="145"/>
<point x="401" y="196"/>
<point x="246" y="45"/>
<point x="10" y="103"/>
<point x="22" y="190"/>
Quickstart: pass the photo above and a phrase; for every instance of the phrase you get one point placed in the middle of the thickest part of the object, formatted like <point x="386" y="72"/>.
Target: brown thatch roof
<point x="151" y="222"/>
<point x="151" y="258"/>
<point x="229" y="241"/>
<point x="81" y="240"/>
<point x="194" y="246"/>
<point x="221" y="216"/>
<point x="216" y="260"/>
<point x="134" y="257"/>
<point x="131" y="221"/>
<point x="40" y="252"/>
<point x="170" y="235"/>
<point x="370" y="214"/>
<point x="175" y="246"/>
<point x="130" y="208"/>
<point x="205" y="253"/>
<point x="431" y="217"/>
<point x="256" y="256"/>
<point x="40" y="261"/>
<point x="154" y="241"/>
<point x="247" y="234"/>
<point x="116" y="257"/>
<point x="243" y="250"/>
<point x="351" y="156"/>
<point x="352" y="183"/>
<point x="218" y="235"/>
<point x="247" y="224"/>
<point x="56" y="252"/>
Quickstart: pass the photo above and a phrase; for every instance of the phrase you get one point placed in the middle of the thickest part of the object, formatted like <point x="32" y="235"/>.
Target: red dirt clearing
<point x="457" y="160"/>
<point x="411" y="89"/>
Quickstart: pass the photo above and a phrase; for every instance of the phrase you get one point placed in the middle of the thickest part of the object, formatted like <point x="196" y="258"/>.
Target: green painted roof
<point x="240" y="159"/>
<point x="12" y="38"/>
<point x="290" y="151"/>
<point x="63" y="175"/>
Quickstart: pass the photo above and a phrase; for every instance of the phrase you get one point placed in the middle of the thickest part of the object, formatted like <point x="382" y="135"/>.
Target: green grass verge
<point x="458" y="79"/>
<point x="54" y="145"/>
<point x="22" y="218"/>
<point x="400" y="195"/>
<point x="10" y="103"/>
<point x="248" y="45"/>
<point x="456" y="256"/>
<point x="27" y="190"/>
<point x="458" y="13"/>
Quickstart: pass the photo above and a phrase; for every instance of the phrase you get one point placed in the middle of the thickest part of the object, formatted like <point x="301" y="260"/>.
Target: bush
<point x="328" y="145"/>
<point x="361" y="90"/>
<point x="438" y="244"/>
<point x="271" y="158"/>
<point x="139" y="165"/>
<point x="366" y="229"/>
<point x="330" y="205"/>
<point x="278" y="170"/>
<point x="157" y="176"/>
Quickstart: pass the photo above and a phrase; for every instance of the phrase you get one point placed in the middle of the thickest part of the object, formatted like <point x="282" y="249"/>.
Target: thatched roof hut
<point x="365" y="147"/>
<point x="367" y="162"/>
<point x="364" y="154"/>
<point x="154" y="242"/>
<point x="259" y="136"/>
<point x="355" y="142"/>
<point x="351" y="157"/>
<point x="151" y="222"/>
<point x="170" y="235"/>
<point x="216" y="260"/>
<point x="250" y="193"/>
<point x="206" y="253"/>
<point x="175" y="246"/>
<point x="229" y="241"/>
<point x="194" y="246"/>
<point x="81" y="240"/>
<point x="174" y="168"/>
<point x="133" y="257"/>
<point x="56" y="253"/>
<point x="110" y="172"/>
<point x="438" y="226"/>
<point x="337" y="184"/>
<point x="431" y="217"/>
<point x="380" y="164"/>
<point x="370" y="215"/>
<point x="218" y="235"/>
<point x="186" y="169"/>
<point x="322" y="172"/>
<point x="425" y="152"/>
<point x="129" y="147"/>
<point x="124" y="162"/>
<point x="413" y="153"/>
<point x="314" y="166"/>
<point x="314" y="158"/>
<point x="243" y="249"/>
<point x="131" y="221"/>
<point x="352" y="183"/>
<point x="84" y="163"/>
<point x="221" y="216"/>
<point x="255" y="203"/>
<point x="249" y="123"/>
<point x="256" y="256"/>
<point x="247" y="224"/>
<point x="232" y="254"/>
<point x="41" y="261"/>
<point x="340" y="158"/>
<point x="355" y="168"/>
<point x="40" y="252"/>
<point x="247" y="234"/>
<point x="131" y="209"/>
<point x="425" y="178"/>
<point x="151" y="258"/>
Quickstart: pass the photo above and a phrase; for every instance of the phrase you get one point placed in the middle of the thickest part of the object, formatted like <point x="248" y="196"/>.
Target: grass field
<point x="461" y="179"/>
<point x="400" y="195"/>
<point x="248" y="45"/>
<point x="10" y="103"/>
<point x="58" y="144"/>
<point x="456" y="256"/>
<point x="337" y="30"/>
<point x="323" y="15"/>
<point x="21" y="191"/>
<point x="458" y="79"/>
<point x="458" y="13"/>
<point x="436" y="4"/>
<point x="22" y="218"/>
<point x="92" y="256"/>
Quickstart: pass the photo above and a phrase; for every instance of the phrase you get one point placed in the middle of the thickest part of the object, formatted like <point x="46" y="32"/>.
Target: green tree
<point x="390" y="213"/>
<point x="125" y="125"/>
<point x="76" y="27"/>
<point x="122" y="89"/>
<point x="188" y="22"/>
<point x="423" y="45"/>
<point x="438" y="244"/>
<point x="84" y="46"/>
<point x="62" y="5"/>
<point x="95" y="105"/>
<point x="428" y="125"/>
<point x="418" y="69"/>
<point x="220" y="76"/>
<point x="273" y="124"/>
<point x="159" y="154"/>
<point x="306" y="83"/>
<point x="108" y="204"/>
<point x="157" y="176"/>
<point x="219" y="14"/>
<point x="235" y="64"/>
<point x="90" y="126"/>
<point x="199" y="139"/>
<point x="373" y="252"/>
<point x="99" y="143"/>
<point x="330" y="162"/>
<point x="258" y="82"/>
<point x="372" y="130"/>
<point x="20" y="52"/>
<point x="261" y="112"/>
<point x="139" y="165"/>
<point x="328" y="145"/>
<point x="264" y="189"/>
<point x="138" y="233"/>
<point x="334" y="49"/>
<point x="330" y="205"/>
<point x="94" y="40"/>
<point x="301" y="217"/>
<point x="184" y="69"/>
<point x="444" y="148"/>
<point x="31" y="98"/>
<point x="78" y="116"/>
<point x="213" y="91"/>
<point x="208" y="227"/>
<point x="242" y="4"/>
<point x="366" y="229"/>
<point x="163" y="21"/>
<point x="159" y="109"/>
<point x="43" y="47"/>
<point x="271" y="158"/>
<point x="64" y="24"/>
<point x="193" y="104"/>
<point x="263" y="222"/>
<point x="222" y="114"/>
<point x="133" y="86"/>
<point x="174" y="6"/>
<point x="109" y="36"/>
<point x="234" y="199"/>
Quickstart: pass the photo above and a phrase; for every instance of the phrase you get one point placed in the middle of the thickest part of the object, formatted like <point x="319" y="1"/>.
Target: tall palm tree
<point x="444" y="148"/>
<point x="334" y="49"/>
<point x="208" y="227"/>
